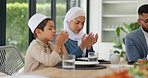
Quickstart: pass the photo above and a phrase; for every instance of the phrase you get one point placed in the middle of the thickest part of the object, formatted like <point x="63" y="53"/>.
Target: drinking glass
<point x="68" y="62"/>
<point x="92" y="57"/>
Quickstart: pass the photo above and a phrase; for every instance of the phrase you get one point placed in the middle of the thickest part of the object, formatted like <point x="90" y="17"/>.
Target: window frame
<point x="2" y="22"/>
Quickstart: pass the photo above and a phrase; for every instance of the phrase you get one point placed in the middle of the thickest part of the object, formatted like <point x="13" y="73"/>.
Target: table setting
<point x="89" y="69"/>
<point x="101" y="61"/>
<point x="71" y="63"/>
<point x="80" y="69"/>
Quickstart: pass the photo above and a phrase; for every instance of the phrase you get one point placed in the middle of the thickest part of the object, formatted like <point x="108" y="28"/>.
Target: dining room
<point x="99" y="51"/>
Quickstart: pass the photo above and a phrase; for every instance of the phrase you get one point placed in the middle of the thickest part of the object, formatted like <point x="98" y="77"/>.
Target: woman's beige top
<point x="40" y="55"/>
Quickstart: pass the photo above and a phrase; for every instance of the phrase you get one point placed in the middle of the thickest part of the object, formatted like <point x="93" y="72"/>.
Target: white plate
<point x="86" y="63"/>
<point x="86" y="58"/>
<point x="121" y="66"/>
<point x="83" y="58"/>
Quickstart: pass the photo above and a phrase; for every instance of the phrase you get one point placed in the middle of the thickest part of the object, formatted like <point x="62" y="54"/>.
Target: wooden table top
<point x="54" y="72"/>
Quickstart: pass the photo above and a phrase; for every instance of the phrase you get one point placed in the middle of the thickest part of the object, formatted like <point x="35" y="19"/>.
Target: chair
<point x="11" y="60"/>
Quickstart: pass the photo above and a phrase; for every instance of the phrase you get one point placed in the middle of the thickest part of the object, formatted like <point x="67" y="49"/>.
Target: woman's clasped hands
<point x="88" y="40"/>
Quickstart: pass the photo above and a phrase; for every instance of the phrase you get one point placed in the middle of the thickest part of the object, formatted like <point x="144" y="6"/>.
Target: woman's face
<point x="77" y="24"/>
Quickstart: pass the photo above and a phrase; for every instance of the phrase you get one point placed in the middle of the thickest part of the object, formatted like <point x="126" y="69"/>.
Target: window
<point x="60" y="14"/>
<point x="44" y="7"/>
<point x="16" y="24"/>
<point x="18" y="11"/>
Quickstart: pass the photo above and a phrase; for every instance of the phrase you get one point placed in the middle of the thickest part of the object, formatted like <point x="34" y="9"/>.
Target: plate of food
<point x="141" y="62"/>
<point x="140" y="69"/>
<point x="119" y="66"/>
<point x="117" y="74"/>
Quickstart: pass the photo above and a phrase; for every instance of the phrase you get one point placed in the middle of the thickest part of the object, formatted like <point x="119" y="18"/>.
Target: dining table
<point x="54" y="72"/>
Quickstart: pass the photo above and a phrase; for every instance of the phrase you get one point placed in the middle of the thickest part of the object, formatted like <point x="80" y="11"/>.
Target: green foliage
<point x="44" y="9"/>
<point x="17" y="19"/>
<point x="120" y="41"/>
<point x="14" y="1"/>
<point x="131" y="27"/>
<point x="60" y="13"/>
<point x="16" y="25"/>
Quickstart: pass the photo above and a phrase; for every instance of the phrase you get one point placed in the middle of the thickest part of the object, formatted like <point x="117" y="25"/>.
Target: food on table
<point x="140" y="70"/>
<point x="117" y="74"/>
<point x="142" y="62"/>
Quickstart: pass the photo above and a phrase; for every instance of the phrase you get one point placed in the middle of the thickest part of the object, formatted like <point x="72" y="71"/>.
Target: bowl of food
<point x="140" y="69"/>
<point x="141" y="62"/>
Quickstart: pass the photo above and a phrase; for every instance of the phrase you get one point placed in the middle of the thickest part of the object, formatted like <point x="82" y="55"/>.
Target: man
<point x="136" y="42"/>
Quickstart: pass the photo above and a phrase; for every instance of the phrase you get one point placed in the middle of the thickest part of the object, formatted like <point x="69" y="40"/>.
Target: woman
<point x="78" y="42"/>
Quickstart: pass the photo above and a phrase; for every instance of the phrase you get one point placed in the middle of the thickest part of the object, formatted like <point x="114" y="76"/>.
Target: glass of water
<point x="68" y="62"/>
<point x="92" y="56"/>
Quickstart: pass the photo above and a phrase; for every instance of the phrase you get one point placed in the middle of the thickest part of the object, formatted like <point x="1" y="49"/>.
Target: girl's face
<point x="77" y="24"/>
<point x="48" y="33"/>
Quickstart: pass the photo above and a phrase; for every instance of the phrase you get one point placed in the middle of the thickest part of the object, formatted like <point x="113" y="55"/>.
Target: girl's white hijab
<point x="71" y="15"/>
